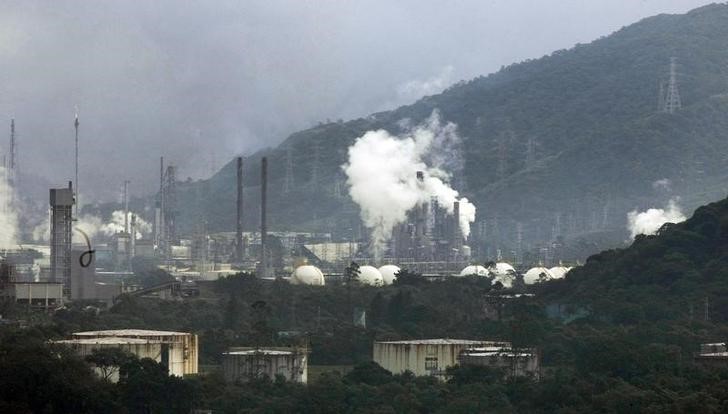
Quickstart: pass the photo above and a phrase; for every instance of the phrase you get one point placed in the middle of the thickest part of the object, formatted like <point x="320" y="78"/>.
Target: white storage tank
<point x="389" y="273"/>
<point x="307" y="275"/>
<point x="369" y="275"/>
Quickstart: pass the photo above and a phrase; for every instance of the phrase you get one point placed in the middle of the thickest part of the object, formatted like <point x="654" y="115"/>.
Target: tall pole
<point x="78" y="198"/>
<point x="239" y="205"/>
<point x="126" y="206"/>
<point x="263" y="206"/>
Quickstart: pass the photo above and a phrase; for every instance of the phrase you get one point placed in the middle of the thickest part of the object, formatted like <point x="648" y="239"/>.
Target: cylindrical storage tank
<point x="476" y="270"/>
<point x="307" y="275"/>
<point x="389" y="273"/>
<point x="537" y="275"/>
<point x="369" y="275"/>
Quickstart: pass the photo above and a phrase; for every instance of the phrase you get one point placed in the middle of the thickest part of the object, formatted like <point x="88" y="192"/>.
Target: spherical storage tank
<point x="503" y="273"/>
<point x="559" y="272"/>
<point x="474" y="270"/>
<point x="536" y="275"/>
<point x="307" y="275"/>
<point x="369" y="275"/>
<point x="389" y="273"/>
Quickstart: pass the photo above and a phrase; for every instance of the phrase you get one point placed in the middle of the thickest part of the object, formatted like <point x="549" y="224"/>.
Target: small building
<point x="712" y="355"/>
<point x="38" y="295"/>
<point x="178" y="350"/>
<point x="514" y="362"/>
<point x="246" y="364"/>
<point x="424" y="356"/>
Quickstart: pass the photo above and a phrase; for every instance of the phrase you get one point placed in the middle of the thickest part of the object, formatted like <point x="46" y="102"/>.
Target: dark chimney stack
<point x="263" y="225"/>
<point x="239" y="205"/>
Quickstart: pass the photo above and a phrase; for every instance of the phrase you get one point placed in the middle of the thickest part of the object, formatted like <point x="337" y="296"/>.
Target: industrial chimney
<point x="263" y="225"/>
<point x="239" y="209"/>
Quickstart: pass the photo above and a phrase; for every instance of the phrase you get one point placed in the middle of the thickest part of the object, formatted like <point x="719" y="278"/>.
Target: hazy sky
<point x="200" y="81"/>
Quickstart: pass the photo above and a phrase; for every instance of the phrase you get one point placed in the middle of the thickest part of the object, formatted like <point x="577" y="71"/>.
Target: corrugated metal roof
<point x="130" y="333"/>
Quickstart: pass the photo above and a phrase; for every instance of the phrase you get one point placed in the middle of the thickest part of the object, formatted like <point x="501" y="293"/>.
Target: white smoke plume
<point x="648" y="222"/>
<point x="382" y="171"/>
<point x="94" y="226"/>
<point x="417" y="88"/>
<point x="8" y="213"/>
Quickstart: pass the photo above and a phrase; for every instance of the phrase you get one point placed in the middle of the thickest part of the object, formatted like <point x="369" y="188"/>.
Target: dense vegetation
<point x="622" y="340"/>
<point x="591" y="110"/>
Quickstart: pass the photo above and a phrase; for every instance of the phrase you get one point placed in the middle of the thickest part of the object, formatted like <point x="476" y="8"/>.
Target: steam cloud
<point x="8" y="214"/>
<point x="648" y="222"/>
<point x="382" y="170"/>
<point x="94" y="226"/>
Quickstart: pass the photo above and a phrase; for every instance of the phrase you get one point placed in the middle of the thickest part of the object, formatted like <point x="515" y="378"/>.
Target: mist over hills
<point x="597" y="142"/>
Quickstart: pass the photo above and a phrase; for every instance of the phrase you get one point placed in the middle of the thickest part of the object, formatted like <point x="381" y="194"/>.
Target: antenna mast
<point x="78" y="198"/>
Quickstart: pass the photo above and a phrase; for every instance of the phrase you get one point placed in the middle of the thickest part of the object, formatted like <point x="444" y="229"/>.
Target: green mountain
<point x="679" y="273"/>
<point x="565" y="145"/>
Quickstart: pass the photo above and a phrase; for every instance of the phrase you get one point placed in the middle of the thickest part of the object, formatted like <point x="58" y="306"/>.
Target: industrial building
<point x="246" y="364"/>
<point x="425" y="356"/>
<point x="514" y="362"/>
<point x="61" y="202"/>
<point x="34" y="295"/>
<point x="141" y="348"/>
<point x="712" y="355"/>
<point x="178" y="350"/>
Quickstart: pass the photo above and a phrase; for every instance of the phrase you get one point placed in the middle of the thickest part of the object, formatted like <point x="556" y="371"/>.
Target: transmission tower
<point x="672" y="96"/>
<point x="502" y="157"/>
<point x="315" y="165"/>
<point x="519" y="242"/>
<point x="288" y="179"/>
<point x="530" y="152"/>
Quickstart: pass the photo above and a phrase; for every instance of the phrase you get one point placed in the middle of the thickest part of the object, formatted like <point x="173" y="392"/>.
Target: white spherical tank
<point x="389" y="273"/>
<point x="476" y="270"/>
<point x="369" y="275"/>
<point x="559" y="272"/>
<point x="503" y="273"/>
<point x="537" y="275"/>
<point x="307" y="275"/>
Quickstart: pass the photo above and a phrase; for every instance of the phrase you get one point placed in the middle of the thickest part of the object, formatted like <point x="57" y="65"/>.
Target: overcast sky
<point x="201" y="81"/>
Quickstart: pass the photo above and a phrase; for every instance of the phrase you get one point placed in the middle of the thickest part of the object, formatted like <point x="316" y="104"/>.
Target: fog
<point x="201" y="81"/>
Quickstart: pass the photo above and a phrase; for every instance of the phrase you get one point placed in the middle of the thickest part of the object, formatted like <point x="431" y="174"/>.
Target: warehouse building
<point x="248" y="363"/>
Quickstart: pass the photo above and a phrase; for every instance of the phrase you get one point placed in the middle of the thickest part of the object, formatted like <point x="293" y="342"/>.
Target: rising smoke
<point x="8" y="213"/>
<point x="94" y="226"/>
<point x="382" y="170"/>
<point x="648" y="222"/>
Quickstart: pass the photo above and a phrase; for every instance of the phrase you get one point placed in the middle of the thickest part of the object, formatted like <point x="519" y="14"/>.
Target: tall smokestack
<point x="457" y="234"/>
<point x="263" y="207"/>
<point x="239" y="205"/>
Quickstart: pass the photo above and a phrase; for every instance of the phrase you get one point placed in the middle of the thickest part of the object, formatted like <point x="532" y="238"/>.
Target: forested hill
<point x="590" y="112"/>
<point x="672" y="275"/>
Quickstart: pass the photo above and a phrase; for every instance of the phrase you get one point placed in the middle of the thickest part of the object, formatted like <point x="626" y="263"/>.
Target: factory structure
<point x="432" y="357"/>
<point x="245" y="364"/>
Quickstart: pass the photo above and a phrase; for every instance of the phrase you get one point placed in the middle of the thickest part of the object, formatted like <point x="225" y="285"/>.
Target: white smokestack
<point x="648" y="222"/>
<point x="382" y="175"/>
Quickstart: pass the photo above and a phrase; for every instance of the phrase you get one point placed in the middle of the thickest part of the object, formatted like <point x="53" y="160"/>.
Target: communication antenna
<point x="13" y="166"/>
<point x="530" y="152"/>
<point x="288" y="179"/>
